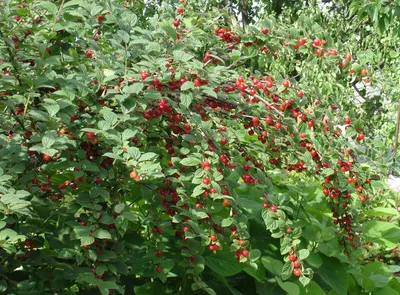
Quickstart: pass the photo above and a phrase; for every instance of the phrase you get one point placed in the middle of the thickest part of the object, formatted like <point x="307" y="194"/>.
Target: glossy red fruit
<point x="265" y="31"/>
<point x="224" y="141"/>
<point x="292" y="257"/>
<point x="177" y="23"/>
<point x="273" y="209"/>
<point x="180" y="10"/>
<point x="286" y="83"/>
<point x="46" y="158"/>
<point x="297" y="272"/>
<point x="245" y="253"/>
<point x="300" y="93"/>
<point x="256" y="121"/>
<point x="100" y="18"/>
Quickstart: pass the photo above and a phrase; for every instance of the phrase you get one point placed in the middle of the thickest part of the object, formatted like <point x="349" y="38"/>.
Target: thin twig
<point x="58" y="13"/>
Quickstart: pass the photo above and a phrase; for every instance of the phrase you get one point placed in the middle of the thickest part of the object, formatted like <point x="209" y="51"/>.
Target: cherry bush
<point x="180" y="153"/>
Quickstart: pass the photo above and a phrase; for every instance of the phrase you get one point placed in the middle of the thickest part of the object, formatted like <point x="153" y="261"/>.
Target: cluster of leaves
<point x="178" y="148"/>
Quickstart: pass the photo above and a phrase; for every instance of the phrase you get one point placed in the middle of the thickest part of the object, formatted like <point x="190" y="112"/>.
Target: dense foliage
<point x="161" y="150"/>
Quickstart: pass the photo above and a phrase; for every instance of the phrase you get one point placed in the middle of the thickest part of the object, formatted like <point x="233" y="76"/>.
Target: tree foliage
<point x="153" y="149"/>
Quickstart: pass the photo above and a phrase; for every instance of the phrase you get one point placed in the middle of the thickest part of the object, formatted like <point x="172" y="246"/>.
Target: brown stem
<point x="58" y="13"/>
<point x="396" y="137"/>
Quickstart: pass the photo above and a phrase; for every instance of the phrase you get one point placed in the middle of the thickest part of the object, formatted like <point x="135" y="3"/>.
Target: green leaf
<point x="104" y="287"/>
<point x="375" y="275"/>
<point x="86" y="240"/>
<point x="150" y="288"/>
<point x="110" y="117"/>
<point x="187" y="85"/>
<point x="50" y="7"/>
<point x="254" y="254"/>
<point x="303" y="254"/>
<point x="169" y="30"/>
<point x="102" y="234"/>
<point x="148" y="156"/>
<point x="133" y="89"/>
<point x="190" y="161"/>
<point x="334" y="274"/>
<point x="290" y="288"/>
<point x="224" y="263"/>
<point x="186" y="99"/>
<point x="182" y="56"/>
<point x="272" y="265"/>
<point x="382" y="232"/>
<point x="128" y="133"/>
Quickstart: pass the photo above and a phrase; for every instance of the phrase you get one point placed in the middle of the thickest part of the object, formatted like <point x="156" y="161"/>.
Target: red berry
<point x="300" y="93"/>
<point x="256" y="121"/>
<point x="100" y="18"/>
<point x="158" y="269"/>
<point x="177" y="23"/>
<point x="273" y="209"/>
<point x="265" y="31"/>
<point x="297" y="272"/>
<point x="286" y="83"/>
<point x="180" y="10"/>
<point x="224" y="141"/>
<point x="245" y="253"/>
<point x="46" y="158"/>
<point x="292" y="257"/>
<point x="206" y="181"/>
<point x="213" y="238"/>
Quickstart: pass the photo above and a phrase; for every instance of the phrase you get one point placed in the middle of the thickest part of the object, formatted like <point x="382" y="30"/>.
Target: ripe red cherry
<point x="177" y="23"/>
<point x="46" y="158"/>
<point x="360" y="136"/>
<point x="348" y="57"/>
<point x="292" y="257"/>
<point x="245" y="253"/>
<point x="333" y="52"/>
<point x="296" y="264"/>
<point x="286" y="83"/>
<point x="158" y="269"/>
<point x="17" y="18"/>
<point x="297" y="272"/>
<point x="364" y="72"/>
<point x="347" y="120"/>
<point x="197" y="82"/>
<point x="206" y="181"/>
<point x="213" y="238"/>
<point x="273" y="209"/>
<point x="89" y="54"/>
<point x="180" y="10"/>
<point x="310" y="123"/>
<point x="352" y="71"/>
<point x="100" y="18"/>
<point x="269" y="121"/>
<point x="302" y="42"/>
<point x="265" y="31"/>
<point x="224" y="141"/>
<point x="300" y="93"/>
<point x="226" y="203"/>
<point x="159" y="253"/>
<point x="256" y="121"/>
